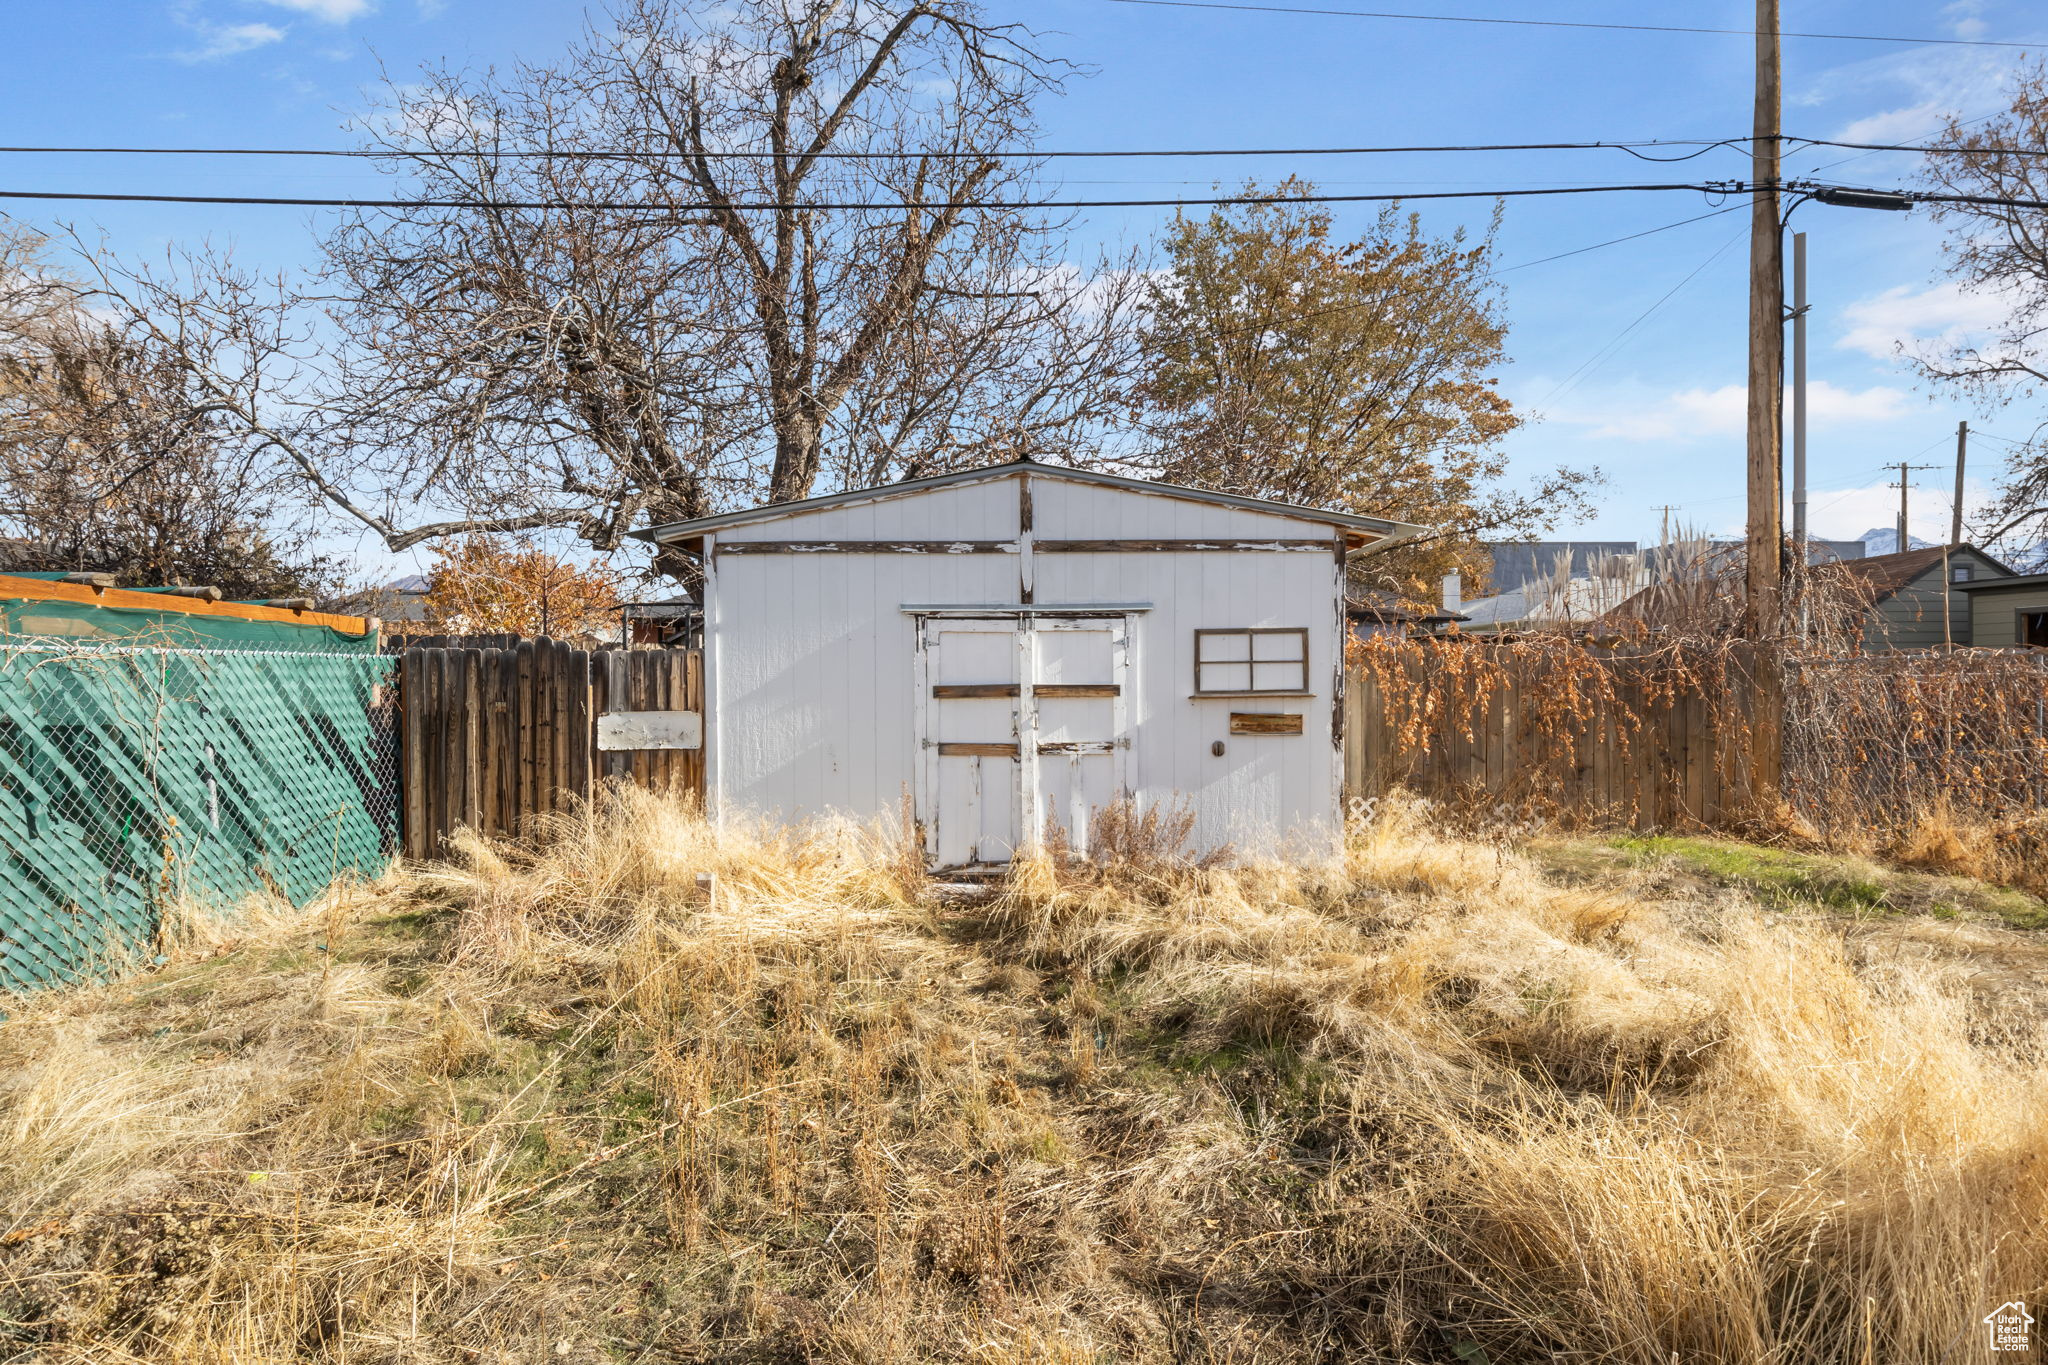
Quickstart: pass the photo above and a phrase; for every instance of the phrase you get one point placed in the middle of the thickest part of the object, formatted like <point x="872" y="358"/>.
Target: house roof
<point x="2018" y="580"/>
<point x="1516" y="564"/>
<point x="1881" y="576"/>
<point x="1389" y="532"/>
<point x="1382" y="607"/>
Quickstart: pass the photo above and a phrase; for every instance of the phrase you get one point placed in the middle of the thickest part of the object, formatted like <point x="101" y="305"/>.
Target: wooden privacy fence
<point x="1647" y="740"/>
<point x="495" y="737"/>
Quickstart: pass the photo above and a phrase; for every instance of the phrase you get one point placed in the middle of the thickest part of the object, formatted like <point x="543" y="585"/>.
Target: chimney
<point x="1454" y="592"/>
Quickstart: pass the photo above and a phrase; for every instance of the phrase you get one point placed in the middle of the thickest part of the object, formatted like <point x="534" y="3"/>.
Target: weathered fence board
<point x="497" y="737"/>
<point x="1635" y="750"/>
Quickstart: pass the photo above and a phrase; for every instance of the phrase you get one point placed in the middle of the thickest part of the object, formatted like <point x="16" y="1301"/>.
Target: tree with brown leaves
<point x="483" y="585"/>
<point x="1360" y="375"/>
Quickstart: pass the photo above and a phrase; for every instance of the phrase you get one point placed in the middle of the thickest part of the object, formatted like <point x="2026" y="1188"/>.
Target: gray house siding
<point x="1995" y="613"/>
<point x="1912" y="617"/>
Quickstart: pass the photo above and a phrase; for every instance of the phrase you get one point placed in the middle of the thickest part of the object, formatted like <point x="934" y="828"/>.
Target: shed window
<point x="1959" y="573"/>
<point x="1263" y="659"/>
<point x="2033" y="628"/>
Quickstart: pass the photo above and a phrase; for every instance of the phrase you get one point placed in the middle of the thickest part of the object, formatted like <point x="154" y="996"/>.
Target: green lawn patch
<point x="1788" y="879"/>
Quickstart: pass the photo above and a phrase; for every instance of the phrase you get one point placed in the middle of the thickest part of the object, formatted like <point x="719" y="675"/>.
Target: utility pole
<point x="1799" y="309"/>
<point x="1764" y="539"/>
<point x="1766" y="336"/>
<point x="1955" y="521"/>
<point x="1903" y="484"/>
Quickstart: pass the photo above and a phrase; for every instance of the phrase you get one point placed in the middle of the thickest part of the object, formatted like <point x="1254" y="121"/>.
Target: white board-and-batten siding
<point x="811" y="656"/>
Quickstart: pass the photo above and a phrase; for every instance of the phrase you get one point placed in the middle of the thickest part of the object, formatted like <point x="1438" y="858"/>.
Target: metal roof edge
<point x="2018" y="580"/>
<point x="1394" y="531"/>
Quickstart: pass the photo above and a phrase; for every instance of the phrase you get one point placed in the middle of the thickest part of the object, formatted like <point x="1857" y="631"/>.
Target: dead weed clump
<point x="649" y="1090"/>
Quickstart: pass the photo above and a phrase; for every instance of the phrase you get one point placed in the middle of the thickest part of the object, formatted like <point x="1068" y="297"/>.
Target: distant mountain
<point x="1884" y="540"/>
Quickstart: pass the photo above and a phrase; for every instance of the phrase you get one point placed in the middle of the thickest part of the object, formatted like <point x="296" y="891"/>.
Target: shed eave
<point x="673" y="533"/>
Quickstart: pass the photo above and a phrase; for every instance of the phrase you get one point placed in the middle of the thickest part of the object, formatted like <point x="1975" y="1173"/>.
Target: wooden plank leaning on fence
<point x="496" y="738"/>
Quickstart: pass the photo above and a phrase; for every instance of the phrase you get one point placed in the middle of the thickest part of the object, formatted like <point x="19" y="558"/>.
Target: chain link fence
<point x="134" y="780"/>
<point x="1873" y="739"/>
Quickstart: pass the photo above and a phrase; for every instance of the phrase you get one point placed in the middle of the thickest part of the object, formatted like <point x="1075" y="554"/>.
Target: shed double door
<point x="1022" y="726"/>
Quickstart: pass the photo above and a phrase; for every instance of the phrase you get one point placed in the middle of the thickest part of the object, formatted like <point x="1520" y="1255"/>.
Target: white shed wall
<point x="1068" y="510"/>
<point x="810" y="658"/>
<point x="1267" y="792"/>
<point x="969" y="511"/>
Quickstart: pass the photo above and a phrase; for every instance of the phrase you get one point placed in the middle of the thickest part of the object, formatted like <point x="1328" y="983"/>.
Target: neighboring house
<point x="670" y="622"/>
<point x="1561" y="599"/>
<point x="1378" y="615"/>
<point x="400" y="603"/>
<point x="1513" y="565"/>
<point x="2008" y="612"/>
<point x="1915" y="600"/>
<point x="1020" y="647"/>
<point x="1555" y="584"/>
<point x="1517" y="564"/>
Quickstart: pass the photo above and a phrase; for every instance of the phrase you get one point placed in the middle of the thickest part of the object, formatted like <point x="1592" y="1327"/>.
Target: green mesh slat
<point x="132" y="776"/>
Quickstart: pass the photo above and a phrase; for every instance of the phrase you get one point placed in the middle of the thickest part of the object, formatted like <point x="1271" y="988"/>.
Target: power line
<point x="1266" y="324"/>
<point x="607" y="205"/>
<point x="1912" y="147"/>
<point x="1561" y="23"/>
<point x="1601" y="356"/>
<point x="1647" y="232"/>
<point x="1966" y="123"/>
<point x="1704" y="145"/>
<point x="1701" y="146"/>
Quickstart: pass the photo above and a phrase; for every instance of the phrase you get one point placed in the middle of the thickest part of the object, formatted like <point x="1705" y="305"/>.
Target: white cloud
<point x="1846" y="513"/>
<point x="326" y="11"/>
<point x="228" y="39"/>
<point x="1692" y="413"/>
<point x="1941" y="315"/>
<point x="1913" y="91"/>
<point x="1909" y="124"/>
<point x="1965" y="18"/>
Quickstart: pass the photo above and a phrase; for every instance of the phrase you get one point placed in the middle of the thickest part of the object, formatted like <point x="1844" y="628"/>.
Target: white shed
<point x="1020" y="645"/>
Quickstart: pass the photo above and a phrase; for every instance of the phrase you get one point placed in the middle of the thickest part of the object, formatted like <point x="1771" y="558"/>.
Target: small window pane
<point x="1286" y="645"/>
<point x="1277" y="677"/>
<point x="1225" y="678"/>
<point x="1225" y="645"/>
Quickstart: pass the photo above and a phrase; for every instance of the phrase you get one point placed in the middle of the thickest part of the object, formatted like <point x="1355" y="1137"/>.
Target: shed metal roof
<point x="1390" y="532"/>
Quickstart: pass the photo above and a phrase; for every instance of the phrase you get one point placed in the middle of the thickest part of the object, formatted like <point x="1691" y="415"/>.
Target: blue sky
<point x="1654" y="400"/>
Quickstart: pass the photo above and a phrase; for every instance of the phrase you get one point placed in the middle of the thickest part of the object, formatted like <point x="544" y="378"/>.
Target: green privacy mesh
<point x="170" y="628"/>
<point x="132" y="777"/>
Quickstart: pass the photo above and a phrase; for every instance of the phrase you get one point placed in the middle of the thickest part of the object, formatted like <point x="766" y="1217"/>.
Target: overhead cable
<point x="1563" y="23"/>
<point x="1703" y="145"/>
<point x="642" y="206"/>
<point x="1921" y="147"/>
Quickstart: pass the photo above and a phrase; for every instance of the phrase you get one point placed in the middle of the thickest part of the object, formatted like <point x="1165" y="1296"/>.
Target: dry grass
<point x="653" y="1093"/>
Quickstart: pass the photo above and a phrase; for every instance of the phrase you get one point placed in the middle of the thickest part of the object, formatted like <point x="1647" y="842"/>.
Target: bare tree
<point x="717" y="258"/>
<point x="2000" y="248"/>
<point x="116" y="458"/>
